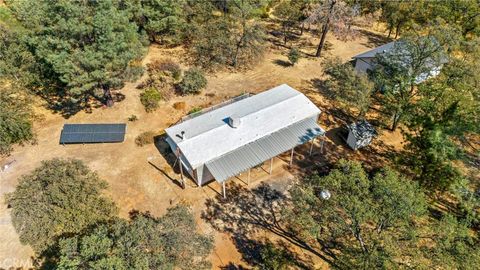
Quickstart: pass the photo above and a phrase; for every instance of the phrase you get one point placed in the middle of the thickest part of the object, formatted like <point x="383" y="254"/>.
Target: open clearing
<point x="140" y="178"/>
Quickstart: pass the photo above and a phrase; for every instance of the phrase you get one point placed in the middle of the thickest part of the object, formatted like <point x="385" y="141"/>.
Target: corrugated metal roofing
<point x="263" y="149"/>
<point x="209" y="136"/>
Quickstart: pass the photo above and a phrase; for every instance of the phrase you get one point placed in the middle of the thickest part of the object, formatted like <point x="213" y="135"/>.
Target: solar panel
<point x="92" y="133"/>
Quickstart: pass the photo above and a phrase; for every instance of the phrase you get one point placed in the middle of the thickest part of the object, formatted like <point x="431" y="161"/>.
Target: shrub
<point x="193" y="82"/>
<point x="61" y="197"/>
<point x="150" y="99"/>
<point x="145" y="138"/>
<point x="165" y="65"/>
<point x="293" y="56"/>
<point x="132" y="118"/>
<point x="195" y="110"/>
<point x="181" y="105"/>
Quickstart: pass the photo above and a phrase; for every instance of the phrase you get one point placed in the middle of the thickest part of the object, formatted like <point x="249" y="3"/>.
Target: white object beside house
<point x="366" y="61"/>
<point x="231" y="139"/>
<point x="360" y="134"/>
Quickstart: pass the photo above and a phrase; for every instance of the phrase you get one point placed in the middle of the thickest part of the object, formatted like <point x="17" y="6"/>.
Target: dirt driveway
<point x="134" y="182"/>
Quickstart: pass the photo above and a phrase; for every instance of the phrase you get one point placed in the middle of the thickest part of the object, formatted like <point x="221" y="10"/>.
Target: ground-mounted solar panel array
<point x="92" y="133"/>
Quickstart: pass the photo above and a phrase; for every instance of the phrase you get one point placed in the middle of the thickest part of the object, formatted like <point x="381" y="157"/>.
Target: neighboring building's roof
<point x="372" y="53"/>
<point x="263" y="149"/>
<point x="362" y="129"/>
<point x="209" y="136"/>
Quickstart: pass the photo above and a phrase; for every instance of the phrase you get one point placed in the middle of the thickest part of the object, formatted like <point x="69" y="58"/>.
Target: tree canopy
<point x="164" y="19"/>
<point x="349" y="86"/>
<point x="61" y="197"/>
<point x="144" y="242"/>
<point x="411" y="61"/>
<point x="227" y="35"/>
<point x="368" y="219"/>
<point x="86" y="48"/>
<point x="376" y="221"/>
<point x="15" y="117"/>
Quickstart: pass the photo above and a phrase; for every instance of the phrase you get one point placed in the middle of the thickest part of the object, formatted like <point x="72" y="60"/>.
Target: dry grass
<point x="142" y="178"/>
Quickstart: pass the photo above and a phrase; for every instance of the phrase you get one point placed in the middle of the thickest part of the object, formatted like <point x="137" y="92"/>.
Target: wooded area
<point x="77" y="55"/>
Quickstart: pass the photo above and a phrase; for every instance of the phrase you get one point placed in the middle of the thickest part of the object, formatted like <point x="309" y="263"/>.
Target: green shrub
<point x="147" y="137"/>
<point x="150" y="99"/>
<point x="293" y="56"/>
<point x="175" y="71"/>
<point x="132" y="118"/>
<point x="193" y="82"/>
<point x="195" y="110"/>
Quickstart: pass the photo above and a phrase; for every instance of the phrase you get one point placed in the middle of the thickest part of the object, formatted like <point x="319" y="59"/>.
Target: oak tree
<point x="61" y="197"/>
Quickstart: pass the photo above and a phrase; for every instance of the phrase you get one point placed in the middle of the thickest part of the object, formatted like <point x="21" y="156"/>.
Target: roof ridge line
<point x="269" y="134"/>
<point x="259" y="110"/>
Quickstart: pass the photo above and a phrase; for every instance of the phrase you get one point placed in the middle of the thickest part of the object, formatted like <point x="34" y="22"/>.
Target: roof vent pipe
<point x="234" y="122"/>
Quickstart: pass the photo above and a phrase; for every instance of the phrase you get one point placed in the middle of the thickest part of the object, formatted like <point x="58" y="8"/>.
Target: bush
<point x="166" y="65"/>
<point x="61" y="197"/>
<point x="293" y="56"/>
<point x="181" y="105"/>
<point x="193" y="81"/>
<point x="132" y="118"/>
<point x="195" y="110"/>
<point x="145" y="138"/>
<point x="150" y="99"/>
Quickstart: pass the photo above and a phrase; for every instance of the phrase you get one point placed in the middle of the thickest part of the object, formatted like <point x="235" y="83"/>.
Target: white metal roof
<point x="209" y="136"/>
<point x="258" y="151"/>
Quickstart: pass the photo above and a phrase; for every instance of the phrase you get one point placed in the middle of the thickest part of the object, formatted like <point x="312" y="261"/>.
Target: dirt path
<point x="134" y="183"/>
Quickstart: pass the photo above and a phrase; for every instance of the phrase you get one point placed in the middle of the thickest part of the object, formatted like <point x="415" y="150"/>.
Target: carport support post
<point x="224" y="193"/>
<point x="291" y="157"/>
<point x="311" y="146"/>
<point x="181" y="172"/>
<point x="321" y="145"/>
<point x="271" y="165"/>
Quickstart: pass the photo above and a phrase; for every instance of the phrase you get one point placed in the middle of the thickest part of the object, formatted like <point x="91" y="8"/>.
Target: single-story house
<point x="360" y="134"/>
<point x="366" y="61"/>
<point x="230" y="139"/>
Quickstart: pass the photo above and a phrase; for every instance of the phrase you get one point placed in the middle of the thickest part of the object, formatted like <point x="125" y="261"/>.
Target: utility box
<point x="360" y="134"/>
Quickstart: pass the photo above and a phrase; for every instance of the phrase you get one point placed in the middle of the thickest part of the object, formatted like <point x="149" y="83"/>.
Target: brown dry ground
<point x="140" y="178"/>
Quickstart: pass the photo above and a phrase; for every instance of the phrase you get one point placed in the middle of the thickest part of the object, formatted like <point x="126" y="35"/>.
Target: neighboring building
<point x="360" y="134"/>
<point x="233" y="138"/>
<point x="366" y="61"/>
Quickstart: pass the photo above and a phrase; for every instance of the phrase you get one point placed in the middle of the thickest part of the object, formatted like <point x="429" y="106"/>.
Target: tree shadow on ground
<point x="246" y="213"/>
<point x="373" y="38"/>
<point x="337" y="136"/>
<point x="66" y="108"/>
<point x="282" y="63"/>
<point x="252" y="254"/>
